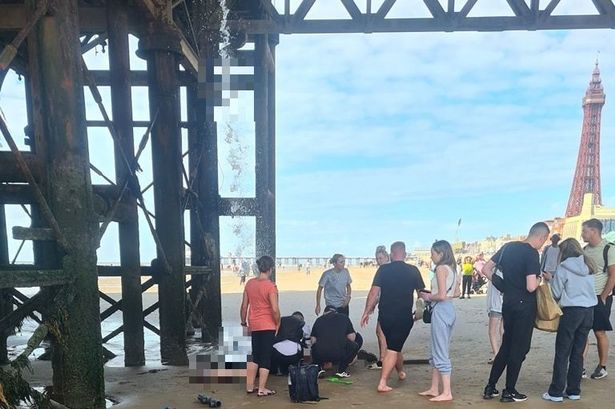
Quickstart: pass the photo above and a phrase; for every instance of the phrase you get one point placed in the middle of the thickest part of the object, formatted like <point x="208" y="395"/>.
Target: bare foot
<point x="429" y="392"/>
<point x="384" y="388"/>
<point x="442" y="398"/>
<point x="402" y="375"/>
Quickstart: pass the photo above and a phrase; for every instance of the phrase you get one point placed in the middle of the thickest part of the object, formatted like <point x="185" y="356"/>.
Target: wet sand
<point x="157" y="386"/>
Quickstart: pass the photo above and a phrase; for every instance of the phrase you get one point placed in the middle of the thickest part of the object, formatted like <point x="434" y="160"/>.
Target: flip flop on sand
<point x="248" y="391"/>
<point x="267" y="393"/>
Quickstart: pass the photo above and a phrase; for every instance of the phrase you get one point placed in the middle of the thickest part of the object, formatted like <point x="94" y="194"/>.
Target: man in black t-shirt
<point x="394" y="284"/>
<point x="335" y="340"/>
<point x="519" y="262"/>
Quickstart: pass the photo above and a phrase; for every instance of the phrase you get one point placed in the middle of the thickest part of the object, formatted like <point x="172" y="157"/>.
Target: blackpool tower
<point x="587" y="173"/>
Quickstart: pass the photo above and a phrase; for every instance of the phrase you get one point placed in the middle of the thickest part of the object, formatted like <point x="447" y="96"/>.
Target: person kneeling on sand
<point x="288" y="343"/>
<point x="335" y="340"/>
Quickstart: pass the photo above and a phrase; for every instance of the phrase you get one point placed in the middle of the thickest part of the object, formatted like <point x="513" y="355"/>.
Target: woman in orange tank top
<point x="260" y="307"/>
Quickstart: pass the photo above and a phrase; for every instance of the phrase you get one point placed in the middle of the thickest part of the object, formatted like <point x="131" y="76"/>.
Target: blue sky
<point x="387" y="137"/>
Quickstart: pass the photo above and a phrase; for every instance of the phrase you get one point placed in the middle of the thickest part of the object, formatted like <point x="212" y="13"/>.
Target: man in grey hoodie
<point x="573" y="287"/>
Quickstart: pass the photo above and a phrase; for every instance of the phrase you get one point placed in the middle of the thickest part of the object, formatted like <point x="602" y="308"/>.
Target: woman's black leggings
<point x="262" y="344"/>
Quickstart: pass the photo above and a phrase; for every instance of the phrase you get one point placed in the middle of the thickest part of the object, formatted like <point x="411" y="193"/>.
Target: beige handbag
<point x="548" y="311"/>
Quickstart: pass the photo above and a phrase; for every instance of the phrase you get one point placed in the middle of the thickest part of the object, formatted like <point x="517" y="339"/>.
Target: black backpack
<point x="605" y="254"/>
<point x="303" y="383"/>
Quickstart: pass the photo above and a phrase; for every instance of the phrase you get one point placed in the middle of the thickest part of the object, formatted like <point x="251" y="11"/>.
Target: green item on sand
<point x="335" y="379"/>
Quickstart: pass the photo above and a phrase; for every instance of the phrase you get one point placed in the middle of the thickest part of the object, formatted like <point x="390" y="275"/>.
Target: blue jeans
<point x="572" y="333"/>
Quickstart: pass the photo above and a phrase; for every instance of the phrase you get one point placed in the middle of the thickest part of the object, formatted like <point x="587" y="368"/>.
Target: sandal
<point x="268" y="393"/>
<point x="248" y="391"/>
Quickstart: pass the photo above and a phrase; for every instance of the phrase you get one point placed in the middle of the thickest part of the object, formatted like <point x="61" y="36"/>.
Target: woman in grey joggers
<point x="444" y="287"/>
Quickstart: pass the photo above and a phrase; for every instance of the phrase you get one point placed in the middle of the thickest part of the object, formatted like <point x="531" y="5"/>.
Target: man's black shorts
<point x="395" y="330"/>
<point x="602" y="314"/>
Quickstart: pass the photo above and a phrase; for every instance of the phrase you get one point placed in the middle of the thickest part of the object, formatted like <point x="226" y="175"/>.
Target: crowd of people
<point x="581" y="279"/>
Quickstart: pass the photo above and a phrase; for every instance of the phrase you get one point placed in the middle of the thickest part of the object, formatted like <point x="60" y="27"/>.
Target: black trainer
<point x="512" y="396"/>
<point x="490" y="392"/>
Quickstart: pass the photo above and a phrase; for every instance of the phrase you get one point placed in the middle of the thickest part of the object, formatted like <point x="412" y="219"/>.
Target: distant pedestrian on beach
<point x="573" y="286"/>
<point x="550" y="258"/>
<point x="520" y="265"/>
<point x="393" y="290"/>
<point x="336" y="285"/>
<point x="444" y="287"/>
<point x="244" y="271"/>
<point x="260" y="307"/>
<point x="382" y="257"/>
<point x="468" y="273"/>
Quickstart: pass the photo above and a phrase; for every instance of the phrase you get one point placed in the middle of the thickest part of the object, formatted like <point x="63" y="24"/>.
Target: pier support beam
<point x="60" y="110"/>
<point x="161" y="48"/>
<point x="6" y="306"/>
<point x="207" y="249"/>
<point x="264" y="117"/>
<point x="121" y="98"/>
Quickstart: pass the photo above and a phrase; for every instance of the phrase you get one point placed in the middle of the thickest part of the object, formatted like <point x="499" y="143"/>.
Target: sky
<point x="386" y="137"/>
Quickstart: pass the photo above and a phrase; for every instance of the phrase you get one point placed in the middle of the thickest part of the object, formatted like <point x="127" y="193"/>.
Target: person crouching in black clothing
<point x="335" y="340"/>
<point x="288" y="344"/>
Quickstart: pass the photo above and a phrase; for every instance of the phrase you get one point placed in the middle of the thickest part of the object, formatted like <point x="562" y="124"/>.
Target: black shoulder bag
<point x="497" y="278"/>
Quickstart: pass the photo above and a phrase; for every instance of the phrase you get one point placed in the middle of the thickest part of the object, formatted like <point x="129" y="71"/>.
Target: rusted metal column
<point x="60" y="108"/>
<point x="121" y="98"/>
<point x="265" y="229"/>
<point x="6" y="306"/>
<point x="206" y="244"/>
<point x="161" y="47"/>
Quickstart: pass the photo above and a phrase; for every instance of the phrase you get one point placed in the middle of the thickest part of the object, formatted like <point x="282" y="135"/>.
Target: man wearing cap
<point x="335" y="340"/>
<point x="550" y="257"/>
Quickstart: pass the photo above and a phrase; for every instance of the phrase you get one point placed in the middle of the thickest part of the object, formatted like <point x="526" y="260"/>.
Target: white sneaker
<point x="343" y="374"/>
<point x="546" y="396"/>
<point x="572" y="397"/>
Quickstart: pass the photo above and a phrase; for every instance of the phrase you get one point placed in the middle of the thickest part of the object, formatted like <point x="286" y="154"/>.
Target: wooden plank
<point x="32" y="233"/>
<point x="33" y="278"/>
<point x="9" y="169"/>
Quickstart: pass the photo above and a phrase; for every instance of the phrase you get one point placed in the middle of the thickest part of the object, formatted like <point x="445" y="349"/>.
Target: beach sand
<point x="157" y="386"/>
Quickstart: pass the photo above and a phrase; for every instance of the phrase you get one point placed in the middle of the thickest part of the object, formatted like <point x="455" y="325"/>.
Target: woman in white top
<point x="444" y="287"/>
